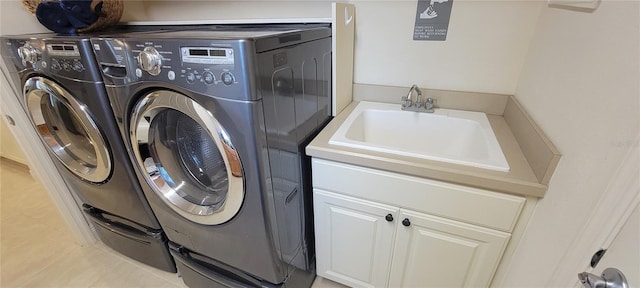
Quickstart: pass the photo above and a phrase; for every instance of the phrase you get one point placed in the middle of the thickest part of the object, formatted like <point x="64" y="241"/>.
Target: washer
<point x="57" y="82"/>
<point x="217" y="121"/>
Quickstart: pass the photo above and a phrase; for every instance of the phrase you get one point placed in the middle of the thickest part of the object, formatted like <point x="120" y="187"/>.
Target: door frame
<point x="614" y="208"/>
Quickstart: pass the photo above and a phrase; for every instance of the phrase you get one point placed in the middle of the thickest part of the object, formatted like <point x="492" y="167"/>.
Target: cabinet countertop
<point x="520" y="180"/>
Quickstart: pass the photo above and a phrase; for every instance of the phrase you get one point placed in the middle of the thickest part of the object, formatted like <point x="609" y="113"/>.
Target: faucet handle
<point x="405" y="102"/>
<point x="428" y="105"/>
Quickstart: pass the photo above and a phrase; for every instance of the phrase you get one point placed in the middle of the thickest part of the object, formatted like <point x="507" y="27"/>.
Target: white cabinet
<point x="411" y="233"/>
<point x="434" y="252"/>
<point x="356" y="239"/>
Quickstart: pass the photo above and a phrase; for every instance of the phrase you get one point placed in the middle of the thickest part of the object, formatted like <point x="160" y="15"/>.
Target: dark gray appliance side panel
<point x="293" y="88"/>
<point x="324" y="102"/>
<point x="291" y="38"/>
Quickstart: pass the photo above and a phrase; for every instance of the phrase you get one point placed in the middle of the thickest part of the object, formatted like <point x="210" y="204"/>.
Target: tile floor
<point x="37" y="250"/>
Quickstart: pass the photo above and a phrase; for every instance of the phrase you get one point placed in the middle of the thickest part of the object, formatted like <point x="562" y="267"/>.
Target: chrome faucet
<point x="406" y="100"/>
<point x="416" y="106"/>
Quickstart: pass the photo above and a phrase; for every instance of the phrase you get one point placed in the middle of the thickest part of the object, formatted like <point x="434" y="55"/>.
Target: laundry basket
<point x="109" y="14"/>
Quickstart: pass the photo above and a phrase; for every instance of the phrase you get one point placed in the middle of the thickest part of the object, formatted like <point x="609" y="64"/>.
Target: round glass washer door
<point x="187" y="157"/>
<point x="67" y="129"/>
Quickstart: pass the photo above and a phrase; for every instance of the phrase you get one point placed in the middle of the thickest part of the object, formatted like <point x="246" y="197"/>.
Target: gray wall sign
<point x="432" y="20"/>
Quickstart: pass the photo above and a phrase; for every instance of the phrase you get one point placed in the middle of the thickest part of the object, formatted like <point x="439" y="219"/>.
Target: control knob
<point x="55" y="65"/>
<point x="227" y="78"/>
<point x="66" y="66"/>
<point x="28" y="53"/>
<point x="150" y="60"/>
<point x="191" y="77"/>
<point x="77" y="66"/>
<point x="208" y="77"/>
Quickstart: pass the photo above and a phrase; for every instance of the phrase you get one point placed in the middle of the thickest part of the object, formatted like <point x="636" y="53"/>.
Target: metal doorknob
<point x="406" y="222"/>
<point x="611" y="278"/>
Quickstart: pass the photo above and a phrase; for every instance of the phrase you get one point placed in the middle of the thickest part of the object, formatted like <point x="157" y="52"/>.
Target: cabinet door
<point x="435" y="252"/>
<point x="353" y="239"/>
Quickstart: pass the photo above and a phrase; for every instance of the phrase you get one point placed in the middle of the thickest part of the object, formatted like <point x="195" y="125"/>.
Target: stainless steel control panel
<point x="207" y="66"/>
<point x="63" y="50"/>
<point x="207" y="55"/>
<point x="198" y="67"/>
<point x="70" y="57"/>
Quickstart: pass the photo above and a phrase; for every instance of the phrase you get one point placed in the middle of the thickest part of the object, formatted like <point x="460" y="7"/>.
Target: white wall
<point x="486" y="45"/>
<point x="484" y="51"/>
<point x="581" y="85"/>
<point x="485" y="48"/>
<point x="167" y="10"/>
<point x="15" y="19"/>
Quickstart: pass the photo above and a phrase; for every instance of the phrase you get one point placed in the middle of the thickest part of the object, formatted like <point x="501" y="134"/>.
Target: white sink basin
<point x="453" y="136"/>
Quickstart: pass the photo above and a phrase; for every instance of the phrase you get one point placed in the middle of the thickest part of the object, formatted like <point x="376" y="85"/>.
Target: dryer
<point x="57" y="81"/>
<point x="216" y="121"/>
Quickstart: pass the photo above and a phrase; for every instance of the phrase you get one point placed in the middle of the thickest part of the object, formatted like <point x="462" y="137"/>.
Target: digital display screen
<point x="220" y="53"/>
<point x="63" y="50"/>
<point x="198" y="52"/>
<point x="207" y="55"/>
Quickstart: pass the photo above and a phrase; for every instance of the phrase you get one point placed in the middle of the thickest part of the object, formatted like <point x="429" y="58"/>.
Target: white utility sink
<point x="453" y="136"/>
